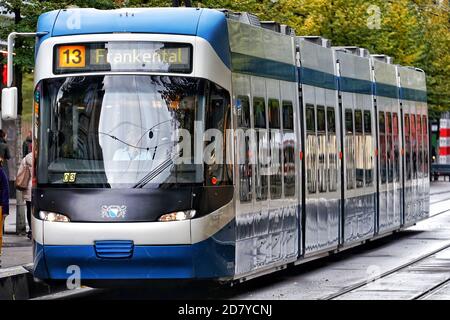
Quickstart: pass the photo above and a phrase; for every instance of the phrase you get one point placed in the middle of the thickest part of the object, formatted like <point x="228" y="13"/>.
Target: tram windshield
<point x="122" y="130"/>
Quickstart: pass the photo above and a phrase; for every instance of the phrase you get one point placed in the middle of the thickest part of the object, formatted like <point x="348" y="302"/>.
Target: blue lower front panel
<point x="201" y="261"/>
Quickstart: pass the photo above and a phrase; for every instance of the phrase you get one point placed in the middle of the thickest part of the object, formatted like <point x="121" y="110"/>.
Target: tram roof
<point x="205" y="23"/>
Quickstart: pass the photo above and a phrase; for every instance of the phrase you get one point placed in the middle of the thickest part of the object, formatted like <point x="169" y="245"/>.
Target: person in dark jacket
<point x="5" y="155"/>
<point x="4" y="204"/>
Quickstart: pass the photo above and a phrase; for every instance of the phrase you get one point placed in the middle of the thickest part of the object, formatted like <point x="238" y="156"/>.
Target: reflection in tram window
<point x="245" y="166"/>
<point x="275" y="149"/>
<point x="311" y="149"/>
<point x="288" y="149"/>
<point x="413" y="146"/>
<point x="396" y="141"/>
<point x="383" y="161"/>
<point x="359" y="149"/>
<point x="349" y="149"/>
<point x="389" y="151"/>
<point x="419" y="147"/>
<point x="261" y="183"/>
<point x="218" y="116"/>
<point x="332" y="150"/>
<point x="368" y="147"/>
<point x="425" y="143"/>
<point x="243" y="112"/>
<point x="407" y="147"/>
<point x="322" y="145"/>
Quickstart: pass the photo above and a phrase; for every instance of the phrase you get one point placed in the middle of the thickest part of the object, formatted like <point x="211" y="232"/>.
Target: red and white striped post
<point x="444" y="140"/>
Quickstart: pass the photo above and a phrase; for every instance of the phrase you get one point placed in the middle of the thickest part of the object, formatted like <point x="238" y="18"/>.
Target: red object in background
<point x="4" y="75"/>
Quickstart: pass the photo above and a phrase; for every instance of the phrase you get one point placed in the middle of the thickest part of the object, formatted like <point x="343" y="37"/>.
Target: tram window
<point x="320" y="119"/>
<point x="311" y="149"/>
<point x="383" y="160"/>
<point x="322" y="149"/>
<point x="389" y="146"/>
<point x="288" y="149"/>
<point x="396" y="142"/>
<point x="359" y="149"/>
<point x="425" y="143"/>
<point x="413" y="146"/>
<point x="288" y="115"/>
<point x="407" y="147"/>
<point x="331" y="120"/>
<point x="275" y="149"/>
<point x="310" y="118"/>
<point x="332" y="150"/>
<point x="245" y="170"/>
<point x="348" y="120"/>
<point x="368" y="148"/>
<point x="259" y="112"/>
<point x="243" y="113"/>
<point x="274" y="114"/>
<point x="419" y="146"/>
<point x="245" y="166"/>
<point x="218" y="116"/>
<point x="358" y="122"/>
<point x="262" y="149"/>
<point x="367" y="122"/>
<point x="349" y="149"/>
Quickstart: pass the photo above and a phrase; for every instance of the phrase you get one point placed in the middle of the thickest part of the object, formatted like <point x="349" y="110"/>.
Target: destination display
<point x="123" y="56"/>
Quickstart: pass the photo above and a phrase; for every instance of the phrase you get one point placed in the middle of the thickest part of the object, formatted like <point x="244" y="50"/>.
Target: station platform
<point x="16" y="250"/>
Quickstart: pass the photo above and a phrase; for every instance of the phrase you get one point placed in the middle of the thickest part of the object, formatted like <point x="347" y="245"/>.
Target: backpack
<point x="23" y="178"/>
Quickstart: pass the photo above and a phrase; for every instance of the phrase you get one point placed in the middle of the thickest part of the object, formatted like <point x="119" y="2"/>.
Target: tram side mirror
<point x="9" y="103"/>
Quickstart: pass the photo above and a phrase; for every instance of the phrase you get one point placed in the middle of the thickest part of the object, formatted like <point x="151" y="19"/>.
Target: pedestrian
<point x="4" y="204"/>
<point x="26" y="146"/>
<point x="5" y="155"/>
<point x="23" y="183"/>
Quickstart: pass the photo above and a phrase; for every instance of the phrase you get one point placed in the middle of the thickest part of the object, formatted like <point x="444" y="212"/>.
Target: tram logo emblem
<point x="114" y="212"/>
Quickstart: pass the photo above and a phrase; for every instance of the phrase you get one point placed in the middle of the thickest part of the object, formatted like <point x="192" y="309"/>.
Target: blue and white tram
<point x="328" y="148"/>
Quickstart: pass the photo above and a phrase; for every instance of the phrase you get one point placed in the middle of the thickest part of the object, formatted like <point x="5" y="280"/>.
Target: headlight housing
<point x="177" y="216"/>
<point x="53" y="217"/>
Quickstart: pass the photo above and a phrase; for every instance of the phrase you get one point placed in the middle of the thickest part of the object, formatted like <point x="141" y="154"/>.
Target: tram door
<point x="245" y="172"/>
<point x="390" y="143"/>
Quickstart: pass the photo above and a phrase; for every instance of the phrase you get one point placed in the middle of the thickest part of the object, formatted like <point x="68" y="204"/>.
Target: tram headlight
<point x="177" y="216"/>
<point x="53" y="217"/>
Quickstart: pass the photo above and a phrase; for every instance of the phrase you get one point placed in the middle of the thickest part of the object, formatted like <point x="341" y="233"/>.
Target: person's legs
<point x="29" y="215"/>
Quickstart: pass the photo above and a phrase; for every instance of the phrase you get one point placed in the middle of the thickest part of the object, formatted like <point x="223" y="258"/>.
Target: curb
<point x="17" y="283"/>
<point x="14" y="283"/>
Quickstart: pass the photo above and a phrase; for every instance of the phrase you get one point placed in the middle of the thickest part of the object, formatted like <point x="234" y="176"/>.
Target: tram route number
<point x="69" y="177"/>
<point x="227" y="310"/>
<point x="72" y="56"/>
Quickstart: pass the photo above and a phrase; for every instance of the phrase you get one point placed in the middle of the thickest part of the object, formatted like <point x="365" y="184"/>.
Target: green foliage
<point x="414" y="32"/>
<point x="27" y="91"/>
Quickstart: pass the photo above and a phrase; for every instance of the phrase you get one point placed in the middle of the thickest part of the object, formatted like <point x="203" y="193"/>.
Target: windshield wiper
<point x="124" y="142"/>
<point x="156" y="172"/>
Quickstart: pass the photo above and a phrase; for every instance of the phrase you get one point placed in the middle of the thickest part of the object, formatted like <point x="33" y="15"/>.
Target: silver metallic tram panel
<point x="265" y="106"/>
<point x="390" y="144"/>
<point x="415" y="111"/>
<point x="355" y="88"/>
<point x="322" y="145"/>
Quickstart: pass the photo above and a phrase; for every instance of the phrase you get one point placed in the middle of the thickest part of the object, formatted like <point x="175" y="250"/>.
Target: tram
<point x="188" y="143"/>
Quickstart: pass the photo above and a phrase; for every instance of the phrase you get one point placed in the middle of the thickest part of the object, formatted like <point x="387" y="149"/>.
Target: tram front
<point x="131" y="177"/>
